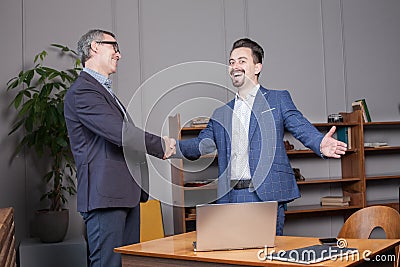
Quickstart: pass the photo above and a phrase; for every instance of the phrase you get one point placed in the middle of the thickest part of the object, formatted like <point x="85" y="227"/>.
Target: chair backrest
<point x="361" y="223"/>
<point x="151" y="223"/>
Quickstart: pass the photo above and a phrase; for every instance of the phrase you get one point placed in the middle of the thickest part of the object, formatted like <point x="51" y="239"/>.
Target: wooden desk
<point x="178" y="251"/>
<point x="7" y="238"/>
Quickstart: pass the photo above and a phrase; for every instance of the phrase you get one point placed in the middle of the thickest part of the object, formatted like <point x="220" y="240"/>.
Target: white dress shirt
<point x="240" y="169"/>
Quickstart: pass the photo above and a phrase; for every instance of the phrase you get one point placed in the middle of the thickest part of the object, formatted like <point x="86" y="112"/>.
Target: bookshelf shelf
<point x="383" y="148"/>
<point x="381" y="123"/>
<point x="383" y="202"/>
<point x="382" y="177"/>
<point x="318" y="209"/>
<point x="328" y="181"/>
<point x="211" y="186"/>
<point x="330" y="124"/>
<point x="308" y="152"/>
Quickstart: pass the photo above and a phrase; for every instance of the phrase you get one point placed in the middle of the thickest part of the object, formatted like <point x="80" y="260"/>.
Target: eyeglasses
<point x="113" y="43"/>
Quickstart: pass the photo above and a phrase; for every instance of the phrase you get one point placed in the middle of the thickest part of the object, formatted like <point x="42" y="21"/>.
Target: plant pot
<point x="52" y="225"/>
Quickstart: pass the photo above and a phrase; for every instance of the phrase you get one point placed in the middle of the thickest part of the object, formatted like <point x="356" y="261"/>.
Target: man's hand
<point x="170" y="147"/>
<point x="331" y="147"/>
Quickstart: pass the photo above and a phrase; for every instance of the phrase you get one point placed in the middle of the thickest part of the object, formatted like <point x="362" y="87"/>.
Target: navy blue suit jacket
<point x="96" y="126"/>
<point x="273" y="112"/>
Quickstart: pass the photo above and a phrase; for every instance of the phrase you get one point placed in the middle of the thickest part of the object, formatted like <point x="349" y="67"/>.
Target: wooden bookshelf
<point x="353" y="179"/>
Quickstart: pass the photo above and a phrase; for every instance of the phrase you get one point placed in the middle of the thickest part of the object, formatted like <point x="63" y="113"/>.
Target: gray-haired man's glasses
<point x="113" y="43"/>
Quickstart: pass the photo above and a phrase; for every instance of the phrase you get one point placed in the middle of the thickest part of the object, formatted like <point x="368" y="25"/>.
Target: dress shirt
<point x="107" y="84"/>
<point x="240" y="169"/>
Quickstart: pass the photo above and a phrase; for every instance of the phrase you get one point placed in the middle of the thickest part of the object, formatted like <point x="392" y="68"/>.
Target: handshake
<point x="170" y="147"/>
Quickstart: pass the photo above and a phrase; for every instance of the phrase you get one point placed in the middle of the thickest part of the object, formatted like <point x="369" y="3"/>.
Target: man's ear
<point x="94" y="46"/>
<point x="258" y="68"/>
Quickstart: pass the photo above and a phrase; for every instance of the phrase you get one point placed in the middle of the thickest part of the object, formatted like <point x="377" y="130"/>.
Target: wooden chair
<point x="151" y="223"/>
<point x="361" y="224"/>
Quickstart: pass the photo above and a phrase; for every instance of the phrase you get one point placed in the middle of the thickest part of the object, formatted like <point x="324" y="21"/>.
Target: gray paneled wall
<point x="326" y="53"/>
<point x="12" y="178"/>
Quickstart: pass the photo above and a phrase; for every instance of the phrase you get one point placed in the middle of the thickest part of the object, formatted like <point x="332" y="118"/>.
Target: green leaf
<point x="42" y="55"/>
<point x="18" y="99"/>
<point x="12" y="83"/>
<point x="28" y="77"/>
<point x="40" y="71"/>
<point x="26" y="107"/>
<point x="46" y="90"/>
<point x="61" y="142"/>
<point x="48" y="176"/>
<point x="58" y="45"/>
<point x="17" y="125"/>
<point x="27" y="93"/>
<point x="53" y="75"/>
<point x="29" y="123"/>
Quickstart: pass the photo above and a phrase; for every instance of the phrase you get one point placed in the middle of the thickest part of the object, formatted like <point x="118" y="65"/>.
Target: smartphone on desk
<point x="330" y="241"/>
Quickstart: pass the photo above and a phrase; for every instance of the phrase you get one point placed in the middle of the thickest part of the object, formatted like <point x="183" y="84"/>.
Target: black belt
<point x="241" y="184"/>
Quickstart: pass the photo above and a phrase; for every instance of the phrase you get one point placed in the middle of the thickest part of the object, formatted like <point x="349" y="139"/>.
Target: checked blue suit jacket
<point x="273" y="112"/>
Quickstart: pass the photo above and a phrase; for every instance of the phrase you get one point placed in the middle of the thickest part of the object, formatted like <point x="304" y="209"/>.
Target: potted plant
<point x="39" y="101"/>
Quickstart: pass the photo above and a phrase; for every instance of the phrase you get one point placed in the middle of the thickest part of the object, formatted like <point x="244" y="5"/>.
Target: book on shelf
<point x="344" y="135"/>
<point x="361" y="104"/>
<point x="340" y="204"/>
<point x="200" y="125"/>
<point x="375" y="144"/>
<point x="335" y="201"/>
<point x="358" y="106"/>
<point x="199" y="122"/>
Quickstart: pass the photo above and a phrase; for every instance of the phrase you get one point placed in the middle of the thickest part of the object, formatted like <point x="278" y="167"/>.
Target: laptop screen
<point x="235" y="225"/>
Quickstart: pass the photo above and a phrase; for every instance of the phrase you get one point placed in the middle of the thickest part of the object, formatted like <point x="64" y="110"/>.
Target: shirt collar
<point x="103" y="80"/>
<point x="253" y="92"/>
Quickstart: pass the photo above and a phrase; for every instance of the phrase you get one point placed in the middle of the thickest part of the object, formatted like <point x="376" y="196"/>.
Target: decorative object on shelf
<point x="335" y="201"/>
<point x="200" y="122"/>
<point x="298" y="175"/>
<point x="333" y="118"/>
<point x="288" y="145"/>
<point x="39" y="101"/>
<point x="361" y="104"/>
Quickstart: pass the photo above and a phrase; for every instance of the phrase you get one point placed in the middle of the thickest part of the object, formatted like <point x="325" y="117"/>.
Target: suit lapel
<point x="228" y="126"/>
<point x="260" y="104"/>
<point x="103" y="91"/>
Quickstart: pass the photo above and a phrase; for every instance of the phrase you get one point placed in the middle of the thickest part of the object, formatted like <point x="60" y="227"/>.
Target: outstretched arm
<point x="330" y="147"/>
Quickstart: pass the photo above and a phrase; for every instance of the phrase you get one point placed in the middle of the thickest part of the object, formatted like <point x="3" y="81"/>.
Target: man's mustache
<point x="237" y="70"/>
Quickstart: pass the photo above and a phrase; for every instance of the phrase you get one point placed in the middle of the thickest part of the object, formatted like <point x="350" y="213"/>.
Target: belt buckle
<point x="241" y="184"/>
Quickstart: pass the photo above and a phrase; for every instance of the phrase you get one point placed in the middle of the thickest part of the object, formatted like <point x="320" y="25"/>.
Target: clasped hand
<point x="170" y="147"/>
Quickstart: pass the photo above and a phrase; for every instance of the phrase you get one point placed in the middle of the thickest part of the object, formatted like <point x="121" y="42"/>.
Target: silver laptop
<point x="235" y="225"/>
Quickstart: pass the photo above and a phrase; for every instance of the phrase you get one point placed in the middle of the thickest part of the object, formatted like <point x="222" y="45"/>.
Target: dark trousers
<point x="244" y="195"/>
<point x="110" y="228"/>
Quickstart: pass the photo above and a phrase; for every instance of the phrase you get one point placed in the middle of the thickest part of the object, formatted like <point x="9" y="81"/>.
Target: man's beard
<point x="238" y="78"/>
